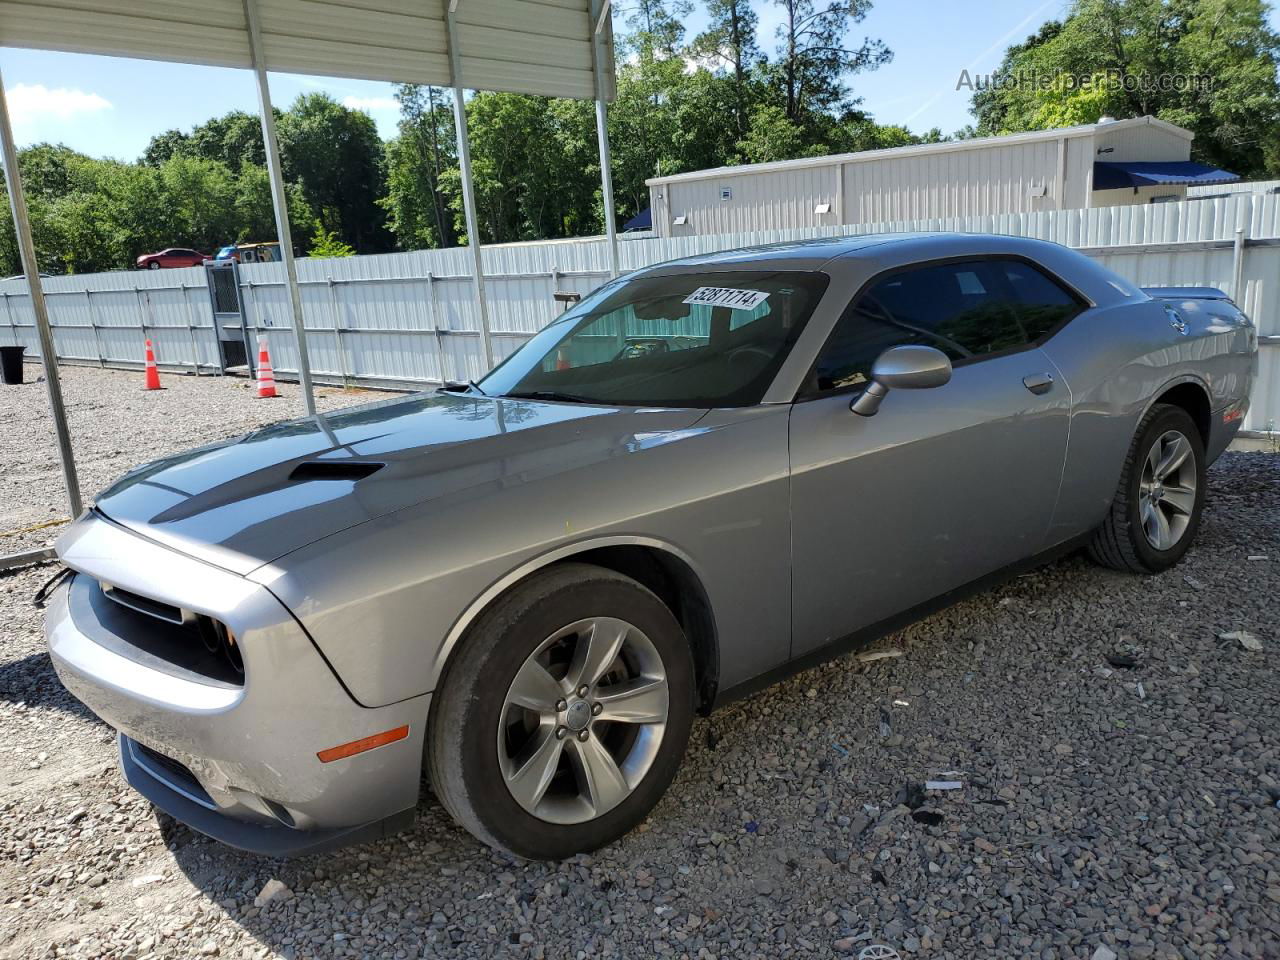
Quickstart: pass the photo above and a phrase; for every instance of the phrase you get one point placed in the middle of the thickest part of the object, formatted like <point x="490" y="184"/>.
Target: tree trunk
<point x="444" y="224"/>
<point x="735" y="32"/>
<point x="791" y="61"/>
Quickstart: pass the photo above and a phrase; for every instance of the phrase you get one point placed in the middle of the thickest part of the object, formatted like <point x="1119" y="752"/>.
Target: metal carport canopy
<point x="552" y="48"/>
<point x="541" y="47"/>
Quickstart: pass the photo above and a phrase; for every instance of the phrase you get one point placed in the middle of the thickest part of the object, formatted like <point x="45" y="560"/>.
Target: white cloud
<point x="370" y="103"/>
<point x="30" y="103"/>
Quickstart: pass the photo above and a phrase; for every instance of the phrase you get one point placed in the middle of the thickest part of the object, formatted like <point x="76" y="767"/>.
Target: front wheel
<point x="153" y="265"/>
<point x="1156" y="510"/>
<point x="564" y="715"/>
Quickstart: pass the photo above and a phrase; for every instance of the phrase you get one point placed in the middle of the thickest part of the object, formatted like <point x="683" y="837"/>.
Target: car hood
<point x="246" y="502"/>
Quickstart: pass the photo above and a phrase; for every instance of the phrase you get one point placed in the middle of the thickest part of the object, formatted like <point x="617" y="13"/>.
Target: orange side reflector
<point x="363" y="744"/>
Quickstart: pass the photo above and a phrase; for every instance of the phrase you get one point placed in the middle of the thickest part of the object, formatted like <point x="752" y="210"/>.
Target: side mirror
<point x="908" y="367"/>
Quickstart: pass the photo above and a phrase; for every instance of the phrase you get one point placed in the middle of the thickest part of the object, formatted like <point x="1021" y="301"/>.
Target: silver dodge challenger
<point x="705" y="476"/>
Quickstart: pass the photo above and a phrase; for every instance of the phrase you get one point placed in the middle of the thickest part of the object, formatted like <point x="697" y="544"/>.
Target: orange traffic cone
<point x="266" y="377"/>
<point x="153" y="373"/>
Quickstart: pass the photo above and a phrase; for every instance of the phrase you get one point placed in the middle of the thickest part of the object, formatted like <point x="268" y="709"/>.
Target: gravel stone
<point x="1092" y="823"/>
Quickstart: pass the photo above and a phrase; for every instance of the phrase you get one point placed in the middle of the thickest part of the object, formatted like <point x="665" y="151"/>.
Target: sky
<point x="108" y="106"/>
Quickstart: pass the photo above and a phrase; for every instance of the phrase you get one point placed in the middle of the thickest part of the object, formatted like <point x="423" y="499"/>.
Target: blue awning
<point x="1110" y="176"/>
<point x="641" y="221"/>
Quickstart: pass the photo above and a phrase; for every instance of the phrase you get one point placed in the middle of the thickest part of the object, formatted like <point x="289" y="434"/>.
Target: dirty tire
<point x="462" y="754"/>
<point x="1120" y="542"/>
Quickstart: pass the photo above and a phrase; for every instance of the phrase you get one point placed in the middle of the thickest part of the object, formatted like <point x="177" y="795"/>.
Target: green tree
<point x="233" y="139"/>
<point x="254" y="213"/>
<point x="775" y="136"/>
<point x="1207" y="65"/>
<point x="335" y="155"/>
<point x="531" y="176"/>
<point x="325" y="243"/>
<point x="730" y="39"/>
<point x="89" y="215"/>
<point x="814" y="59"/>
<point x="416" y="203"/>
<point x="658" y="25"/>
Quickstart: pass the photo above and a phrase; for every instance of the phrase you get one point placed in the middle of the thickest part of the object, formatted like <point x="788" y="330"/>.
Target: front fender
<point x="386" y="601"/>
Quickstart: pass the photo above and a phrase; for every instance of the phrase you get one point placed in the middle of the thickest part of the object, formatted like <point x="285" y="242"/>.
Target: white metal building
<point x="1112" y="163"/>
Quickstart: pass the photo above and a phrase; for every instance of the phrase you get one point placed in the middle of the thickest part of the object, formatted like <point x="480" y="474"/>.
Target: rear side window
<point x="1042" y="303"/>
<point x="969" y="310"/>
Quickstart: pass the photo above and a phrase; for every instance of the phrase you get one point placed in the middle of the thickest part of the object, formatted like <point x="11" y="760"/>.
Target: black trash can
<point x="11" y="364"/>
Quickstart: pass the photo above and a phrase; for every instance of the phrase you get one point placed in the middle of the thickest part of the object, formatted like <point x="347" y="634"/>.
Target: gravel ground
<point x="1104" y="810"/>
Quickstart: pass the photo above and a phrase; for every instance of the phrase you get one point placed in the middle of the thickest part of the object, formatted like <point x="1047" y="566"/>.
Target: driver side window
<point x="967" y="310"/>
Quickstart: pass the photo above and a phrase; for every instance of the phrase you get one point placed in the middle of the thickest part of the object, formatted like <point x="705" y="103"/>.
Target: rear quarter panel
<point x="1117" y="360"/>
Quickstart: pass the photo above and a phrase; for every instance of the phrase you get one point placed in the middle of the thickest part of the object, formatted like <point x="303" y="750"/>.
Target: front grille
<point x="165" y="635"/>
<point x="134" y="601"/>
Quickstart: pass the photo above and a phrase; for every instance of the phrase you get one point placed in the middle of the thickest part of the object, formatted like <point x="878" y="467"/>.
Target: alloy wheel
<point x="583" y="720"/>
<point x="1167" y="490"/>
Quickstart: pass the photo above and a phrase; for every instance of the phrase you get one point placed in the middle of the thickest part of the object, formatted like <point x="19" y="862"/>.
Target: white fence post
<point x="191" y="326"/>
<point x="97" y="341"/>
<point x="337" y="330"/>
<point x="1237" y="268"/>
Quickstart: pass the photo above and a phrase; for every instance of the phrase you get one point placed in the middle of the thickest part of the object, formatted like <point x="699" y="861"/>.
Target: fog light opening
<point x="279" y="812"/>
<point x="221" y="641"/>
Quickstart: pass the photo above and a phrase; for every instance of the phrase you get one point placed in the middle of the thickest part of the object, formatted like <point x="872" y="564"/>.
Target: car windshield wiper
<point x="548" y="395"/>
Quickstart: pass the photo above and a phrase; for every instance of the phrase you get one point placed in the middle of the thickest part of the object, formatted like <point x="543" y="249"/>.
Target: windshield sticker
<point x="727" y="297"/>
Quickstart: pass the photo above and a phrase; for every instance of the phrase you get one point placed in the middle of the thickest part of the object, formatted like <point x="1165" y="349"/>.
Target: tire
<point x="153" y="265"/>
<point x="476" y="741"/>
<point x="1127" y="541"/>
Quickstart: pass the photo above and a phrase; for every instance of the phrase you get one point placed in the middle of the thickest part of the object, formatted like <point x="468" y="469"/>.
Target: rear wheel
<point x="1156" y="510"/>
<point x="565" y="714"/>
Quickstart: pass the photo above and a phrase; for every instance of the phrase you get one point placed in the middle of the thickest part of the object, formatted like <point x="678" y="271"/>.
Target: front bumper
<point x="234" y="760"/>
<point x="167" y="791"/>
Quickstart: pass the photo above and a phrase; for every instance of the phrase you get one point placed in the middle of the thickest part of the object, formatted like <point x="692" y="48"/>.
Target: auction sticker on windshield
<point x="729" y="297"/>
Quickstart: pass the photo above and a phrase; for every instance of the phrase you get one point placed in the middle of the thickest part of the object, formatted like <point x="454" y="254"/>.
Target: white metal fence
<point x="404" y="319"/>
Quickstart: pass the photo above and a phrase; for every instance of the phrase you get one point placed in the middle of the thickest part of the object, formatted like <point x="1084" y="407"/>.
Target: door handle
<point x="1038" y="383"/>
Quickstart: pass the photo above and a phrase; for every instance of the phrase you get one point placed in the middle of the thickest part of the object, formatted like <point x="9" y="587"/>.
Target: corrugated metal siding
<point x="208" y="33"/>
<point x="524" y="46"/>
<point x="411" y="317"/>
<point x="1246" y="186"/>
<point x="1079" y="173"/>
<point x="953" y="184"/>
<point x="1137" y="143"/>
<point x="785" y="201"/>
<point x="1145" y="194"/>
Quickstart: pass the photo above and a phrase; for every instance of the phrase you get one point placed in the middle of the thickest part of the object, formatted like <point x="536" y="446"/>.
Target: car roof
<point x="900" y="247"/>
<point x="872" y="253"/>
<point x="795" y="254"/>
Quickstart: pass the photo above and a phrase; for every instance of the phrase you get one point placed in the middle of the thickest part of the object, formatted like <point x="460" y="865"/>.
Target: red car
<point x="172" y="257"/>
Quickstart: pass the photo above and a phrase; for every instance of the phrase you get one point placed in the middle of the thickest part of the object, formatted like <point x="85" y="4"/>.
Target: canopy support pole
<point x="468" y="185"/>
<point x="279" y="200"/>
<point x="606" y="183"/>
<point x="27" y="249"/>
<point x="600" y="19"/>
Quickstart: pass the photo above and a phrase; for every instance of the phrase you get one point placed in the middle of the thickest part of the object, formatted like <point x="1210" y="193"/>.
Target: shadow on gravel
<point x="32" y="681"/>
<point x="425" y="861"/>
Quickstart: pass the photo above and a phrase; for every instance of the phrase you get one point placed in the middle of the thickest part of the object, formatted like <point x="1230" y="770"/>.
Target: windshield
<point x="693" y="340"/>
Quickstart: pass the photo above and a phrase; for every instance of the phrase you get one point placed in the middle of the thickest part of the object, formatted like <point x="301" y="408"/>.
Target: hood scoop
<point x="349" y="470"/>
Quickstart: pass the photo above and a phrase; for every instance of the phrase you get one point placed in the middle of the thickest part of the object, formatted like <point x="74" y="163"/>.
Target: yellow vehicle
<point x="251" y="252"/>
